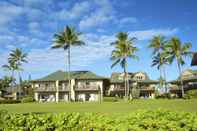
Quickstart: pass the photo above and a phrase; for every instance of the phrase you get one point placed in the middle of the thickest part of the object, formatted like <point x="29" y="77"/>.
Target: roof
<point x="115" y="78"/>
<point x="194" y="59"/>
<point x="189" y="79"/>
<point x="148" y="81"/>
<point x="61" y="75"/>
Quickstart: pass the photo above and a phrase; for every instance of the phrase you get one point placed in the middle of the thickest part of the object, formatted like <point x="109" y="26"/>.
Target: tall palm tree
<point x="17" y="57"/>
<point x="160" y="60"/>
<point x="69" y="37"/>
<point x="124" y="49"/>
<point x="158" y="45"/>
<point x="176" y="51"/>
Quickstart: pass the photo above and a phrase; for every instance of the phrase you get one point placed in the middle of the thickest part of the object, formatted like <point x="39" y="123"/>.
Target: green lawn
<point x="105" y="107"/>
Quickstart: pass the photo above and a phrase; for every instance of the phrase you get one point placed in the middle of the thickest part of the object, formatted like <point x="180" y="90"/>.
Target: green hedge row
<point x="135" y="121"/>
<point x="9" y="101"/>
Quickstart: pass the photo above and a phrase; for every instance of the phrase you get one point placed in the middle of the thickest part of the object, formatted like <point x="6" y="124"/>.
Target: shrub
<point x="110" y="99"/>
<point x="191" y="94"/>
<point x="9" y="101"/>
<point x="141" y="120"/>
<point x="27" y="99"/>
<point x="163" y="96"/>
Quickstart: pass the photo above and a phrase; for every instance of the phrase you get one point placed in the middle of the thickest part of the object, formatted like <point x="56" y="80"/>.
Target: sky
<point x="31" y="24"/>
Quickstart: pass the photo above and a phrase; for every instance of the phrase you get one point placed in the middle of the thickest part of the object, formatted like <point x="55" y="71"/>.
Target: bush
<point x="163" y="96"/>
<point x="110" y="99"/>
<point x="9" y="101"/>
<point x="27" y="99"/>
<point x="142" y="120"/>
<point x="191" y="94"/>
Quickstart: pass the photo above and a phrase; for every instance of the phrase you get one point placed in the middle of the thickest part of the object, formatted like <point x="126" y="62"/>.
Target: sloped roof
<point x="61" y="75"/>
<point x="189" y="79"/>
<point x="115" y="78"/>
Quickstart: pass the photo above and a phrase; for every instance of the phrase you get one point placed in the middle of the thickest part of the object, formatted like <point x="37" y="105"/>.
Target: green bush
<point x="9" y="101"/>
<point x="27" y="99"/>
<point x="191" y="94"/>
<point x="141" y="120"/>
<point x="163" y="96"/>
<point x="110" y="99"/>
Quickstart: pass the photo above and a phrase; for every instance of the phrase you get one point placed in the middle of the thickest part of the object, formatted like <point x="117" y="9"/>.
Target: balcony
<point x="45" y="88"/>
<point x="86" y="88"/>
<point x="63" y="88"/>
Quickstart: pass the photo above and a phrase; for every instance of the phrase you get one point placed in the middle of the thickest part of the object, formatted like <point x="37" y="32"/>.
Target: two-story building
<point x="139" y="80"/>
<point x="84" y="86"/>
<point x="189" y="78"/>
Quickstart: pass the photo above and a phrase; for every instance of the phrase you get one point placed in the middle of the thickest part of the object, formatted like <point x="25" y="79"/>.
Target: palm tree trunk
<point x="125" y="83"/>
<point x="160" y="79"/>
<point x="69" y="80"/>
<point x="19" y="87"/>
<point x="164" y="75"/>
<point x="181" y="81"/>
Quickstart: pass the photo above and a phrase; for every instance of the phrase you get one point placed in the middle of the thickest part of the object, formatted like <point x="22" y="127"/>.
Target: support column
<point x="36" y="96"/>
<point x="57" y="91"/>
<point x="100" y="85"/>
<point x="72" y="93"/>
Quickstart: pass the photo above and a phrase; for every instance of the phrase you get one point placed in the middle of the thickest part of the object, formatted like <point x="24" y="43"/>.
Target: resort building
<point x="189" y="81"/>
<point x="139" y="80"/>
<point x="194" y="59"/>
<point x="84" y="86"/>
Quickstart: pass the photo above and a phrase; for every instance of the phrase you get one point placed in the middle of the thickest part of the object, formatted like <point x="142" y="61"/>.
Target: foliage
<point x="124" y="50"/>
<point x="6" y="82"/>
<point x="110" y="99"/>
<point x="163" y="96"/>
<point x="176" y="51"/>
<point x="191" y="94"/>
<point x="9" y="101"/>
<point x="138" y="120"/>
<point x="135" y="93"/>
<point x="27" y="99"/>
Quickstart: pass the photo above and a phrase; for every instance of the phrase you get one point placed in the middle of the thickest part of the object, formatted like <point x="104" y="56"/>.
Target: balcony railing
<point x="86" y="87"/>
<point x="44" y="88"/>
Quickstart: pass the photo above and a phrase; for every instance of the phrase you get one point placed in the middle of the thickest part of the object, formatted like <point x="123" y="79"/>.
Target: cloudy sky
<point x="31" y="24"/>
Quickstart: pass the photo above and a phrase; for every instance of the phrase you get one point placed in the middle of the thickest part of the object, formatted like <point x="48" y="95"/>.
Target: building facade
<point x="189" y="78"/>
<point x="84" y="86"/>
<point x="139" y="81"/>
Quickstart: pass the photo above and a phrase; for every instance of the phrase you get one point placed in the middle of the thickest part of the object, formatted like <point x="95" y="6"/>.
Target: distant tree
<point x="124" y="49"/>
<point x="69" y="37"/>
<point x="6" y="82"/>
<point x="176" y="50"/>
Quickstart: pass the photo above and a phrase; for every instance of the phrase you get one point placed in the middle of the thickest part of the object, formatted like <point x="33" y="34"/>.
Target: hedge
<point x="9" y="101"/>
<point x="142" y="120"/>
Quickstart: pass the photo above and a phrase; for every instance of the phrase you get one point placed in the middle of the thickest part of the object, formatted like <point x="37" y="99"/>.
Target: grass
<point x="105" y="107"/>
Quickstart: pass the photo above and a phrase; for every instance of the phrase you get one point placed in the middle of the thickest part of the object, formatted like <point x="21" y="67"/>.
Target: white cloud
<point x="128" y="20"/>
<point x="148" y="34"/>
<point x="76" y="11"/>
<point x="103" y="14"/>
<point x="8" y="13"/>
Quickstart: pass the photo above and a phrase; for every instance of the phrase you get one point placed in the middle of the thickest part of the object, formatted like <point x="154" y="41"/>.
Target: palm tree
<point x="158" y="45"/>
<point x="124" y="49"/>
<point x="11" y="66"/>
<point x="69" y="37"/>
<point x="176" y="50"/>
<point x="160" y="60"/>
<point x="17" y="57"/>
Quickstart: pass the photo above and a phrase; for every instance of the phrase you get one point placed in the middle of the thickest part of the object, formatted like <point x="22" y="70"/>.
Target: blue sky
<point x="31" y="24"/>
